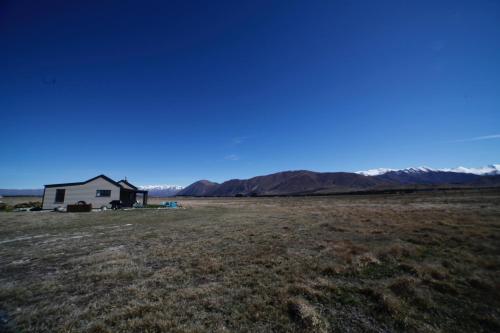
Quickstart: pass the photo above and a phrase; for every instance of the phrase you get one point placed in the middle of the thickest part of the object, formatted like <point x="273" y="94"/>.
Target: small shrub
<point x="304" y="313"/>
<point x="98" y="327"/>
<point x="28" y="204"/>
<point x="332" y="270"/>
<point x="365" y="260"/>
<point x="385" y="302"/>
<point x="480" y="284"/>
<point x="396" y="252"/>
<point x="488" y="322"/>
<point x="403" y="287"/>
<point x="325" y="284"/>
<point x="379" y="271"/>
<point x="435" y="272"/>
<point x="408" y="268"/>
<point x="442" y="287"/>
<point x="438" y="275"/>
<point x="301" y="289"/>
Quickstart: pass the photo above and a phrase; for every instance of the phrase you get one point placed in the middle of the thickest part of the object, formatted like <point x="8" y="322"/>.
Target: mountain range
<point x="161" y="190"/>
<point x="490" y="170"/>
<point x="38" y="192"/>
<point x="304" y="182"/>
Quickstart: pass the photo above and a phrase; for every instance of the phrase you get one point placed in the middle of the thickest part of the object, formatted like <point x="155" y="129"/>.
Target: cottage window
<point x="60" y="195"/>
<point x="103" y="193"/>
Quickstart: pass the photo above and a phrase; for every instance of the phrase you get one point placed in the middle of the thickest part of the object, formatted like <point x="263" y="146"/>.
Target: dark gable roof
<point x="85" y="182"/>
<point x="126" y="182"/>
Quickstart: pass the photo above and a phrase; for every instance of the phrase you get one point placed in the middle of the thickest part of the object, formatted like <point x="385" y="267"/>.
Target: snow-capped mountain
<point x="161" y="190"/>
<point x="490" y="170"/>
<point x="381" y="171"/>
<point x="375" y="172"/>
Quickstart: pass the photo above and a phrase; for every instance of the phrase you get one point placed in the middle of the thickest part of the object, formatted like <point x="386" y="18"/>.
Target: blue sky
<point x="176" y="91"/>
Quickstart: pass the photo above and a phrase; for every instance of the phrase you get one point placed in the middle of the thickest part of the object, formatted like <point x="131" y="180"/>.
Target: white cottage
<point x="98" y="191"/>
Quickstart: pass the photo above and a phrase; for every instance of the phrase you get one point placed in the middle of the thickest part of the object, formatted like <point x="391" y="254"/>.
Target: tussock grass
<point x="306" y="315"/>
<point x="412" y="263"/>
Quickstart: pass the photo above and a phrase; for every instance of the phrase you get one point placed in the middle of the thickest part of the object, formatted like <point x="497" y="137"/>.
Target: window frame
<point x="100" y="194"/>
<point x="57" y="195"/>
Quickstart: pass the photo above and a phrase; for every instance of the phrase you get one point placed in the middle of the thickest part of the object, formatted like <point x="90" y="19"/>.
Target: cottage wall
<point x="85" y="192"/>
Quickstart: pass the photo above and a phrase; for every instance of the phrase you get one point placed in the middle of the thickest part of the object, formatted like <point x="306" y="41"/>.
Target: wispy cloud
<point x="232" y="157"/>
<point x="479" y="138"/>
<point x="238" y="140"/>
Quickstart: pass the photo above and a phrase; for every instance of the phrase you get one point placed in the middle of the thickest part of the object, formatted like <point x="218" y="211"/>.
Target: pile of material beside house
<point x="80" y="207"/>
<point x="169" y="204"/>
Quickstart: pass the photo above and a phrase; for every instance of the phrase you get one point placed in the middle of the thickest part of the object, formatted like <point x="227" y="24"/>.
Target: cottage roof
<point x="85" y="182"/>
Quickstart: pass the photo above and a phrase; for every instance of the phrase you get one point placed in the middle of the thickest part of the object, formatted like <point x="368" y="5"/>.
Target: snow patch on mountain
<point x="489" y="170"/>
<point x="375" y="172"/>
<point x="162" y="190"/>
<point x="161" y="187"/>
<point x="381" y="171"/>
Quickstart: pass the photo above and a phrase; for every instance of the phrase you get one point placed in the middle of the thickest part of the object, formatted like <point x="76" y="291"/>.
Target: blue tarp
<point x="169" y="204"/>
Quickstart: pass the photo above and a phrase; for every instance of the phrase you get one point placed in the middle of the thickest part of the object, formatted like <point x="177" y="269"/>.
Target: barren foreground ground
<point x="421" y="263"/>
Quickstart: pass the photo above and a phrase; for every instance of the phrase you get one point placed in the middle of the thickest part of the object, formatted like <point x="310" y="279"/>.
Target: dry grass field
<point x="17" y="200"/>
<point x="413" y="263"/>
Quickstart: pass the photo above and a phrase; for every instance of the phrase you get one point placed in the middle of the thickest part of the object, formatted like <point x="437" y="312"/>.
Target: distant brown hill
<point x="199" y="189"/>
<point x="305" y="182"/>
<point x="285" y="183"/>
